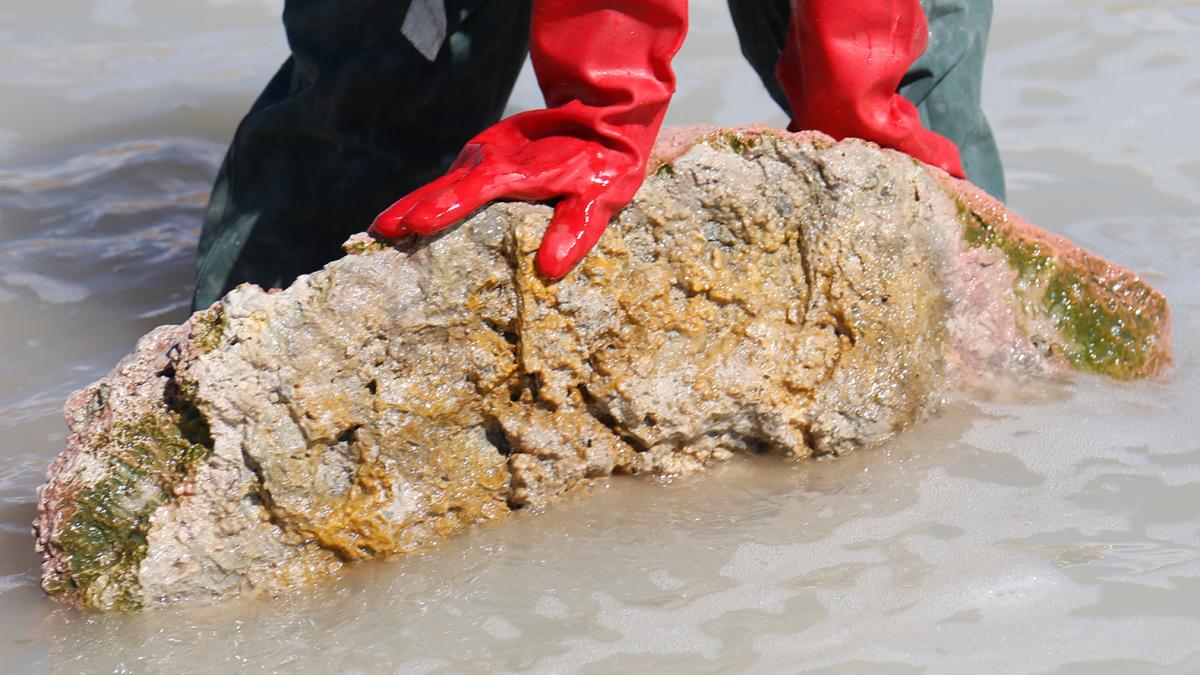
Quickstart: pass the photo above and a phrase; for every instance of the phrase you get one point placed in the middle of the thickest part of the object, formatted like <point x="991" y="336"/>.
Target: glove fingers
<point x="577" y="225"/>
<point x="393" y="221"/>
<point x="442" y="207"/>
<point x="471" y="182"/>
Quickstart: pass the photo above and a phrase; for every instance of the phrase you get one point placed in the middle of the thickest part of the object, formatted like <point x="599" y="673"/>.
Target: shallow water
<point x="1058" y="533"/>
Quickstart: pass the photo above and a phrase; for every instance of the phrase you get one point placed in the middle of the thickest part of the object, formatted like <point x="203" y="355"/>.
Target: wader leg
<point x="377" y="99"/>
<point x="944" y="83"/>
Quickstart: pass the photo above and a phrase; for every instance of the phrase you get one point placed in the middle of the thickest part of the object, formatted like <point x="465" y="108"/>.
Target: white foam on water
<point x="47" y="289"/>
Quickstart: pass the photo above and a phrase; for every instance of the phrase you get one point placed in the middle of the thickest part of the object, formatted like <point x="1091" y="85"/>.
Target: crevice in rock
<point x="497" y="437"/>
<point x="193" y="425"/>
<point x="348" y="435"/>
<point x="533" y="383"/>
<point x="510" y="336"/>
<point x="493" y="431"/>
<point x="593" y="407"/>
<point x="262" y="495"/>
<point x="810" y="440"/>
<point x="758" y="446"/>
<point x="840" y="326"/>
<point x="530" y="383"/>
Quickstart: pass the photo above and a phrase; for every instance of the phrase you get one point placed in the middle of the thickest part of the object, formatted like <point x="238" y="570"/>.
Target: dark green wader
<point x="360" y="115"/>
<point x="357" y="117"/>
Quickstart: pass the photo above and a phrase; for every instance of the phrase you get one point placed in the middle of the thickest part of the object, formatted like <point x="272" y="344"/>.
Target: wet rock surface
<point x="765" y="292"/>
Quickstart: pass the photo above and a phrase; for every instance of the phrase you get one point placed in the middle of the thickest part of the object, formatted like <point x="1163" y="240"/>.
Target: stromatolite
<point x="765" y="292"/>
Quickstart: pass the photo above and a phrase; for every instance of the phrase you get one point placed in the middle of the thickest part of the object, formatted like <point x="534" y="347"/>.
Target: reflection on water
<point x="1054" y="531"/>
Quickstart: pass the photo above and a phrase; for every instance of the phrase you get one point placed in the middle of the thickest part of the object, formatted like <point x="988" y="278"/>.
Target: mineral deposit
<point x="764" y="293"/>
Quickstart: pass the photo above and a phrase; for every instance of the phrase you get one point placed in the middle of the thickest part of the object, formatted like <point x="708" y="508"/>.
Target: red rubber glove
<point x="604" y="67"/>
<point x="840" y="69"/>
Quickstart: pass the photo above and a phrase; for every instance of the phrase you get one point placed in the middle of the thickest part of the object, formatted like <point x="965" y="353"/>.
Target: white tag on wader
<point x="425" y="26"/>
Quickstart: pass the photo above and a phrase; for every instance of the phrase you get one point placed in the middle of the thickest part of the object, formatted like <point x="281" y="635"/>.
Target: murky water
<point x="1058" y="533"/>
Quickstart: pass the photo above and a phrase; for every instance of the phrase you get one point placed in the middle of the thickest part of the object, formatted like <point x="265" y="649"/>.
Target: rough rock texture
<point x="765" y="292"/>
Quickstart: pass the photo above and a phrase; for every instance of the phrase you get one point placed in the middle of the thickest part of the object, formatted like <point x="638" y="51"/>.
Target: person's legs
<point x="944" y="83"/>
<point x="762" y="29"/>
<point x="376" y="100"/>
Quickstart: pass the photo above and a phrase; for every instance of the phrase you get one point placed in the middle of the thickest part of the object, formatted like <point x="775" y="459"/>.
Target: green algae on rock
<point x="207" y="328"/>
<point x="106" y="535"/>
<point x="134" y="461"/>
<point x="1107" y="321"/>
<point x="764" y="292"/>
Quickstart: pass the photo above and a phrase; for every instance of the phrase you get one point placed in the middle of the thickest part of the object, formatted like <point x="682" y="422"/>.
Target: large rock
<point x="765" y="292"/>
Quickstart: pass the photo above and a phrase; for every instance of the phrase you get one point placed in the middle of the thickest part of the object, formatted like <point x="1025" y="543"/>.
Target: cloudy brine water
<point x="1057" y="530"/>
